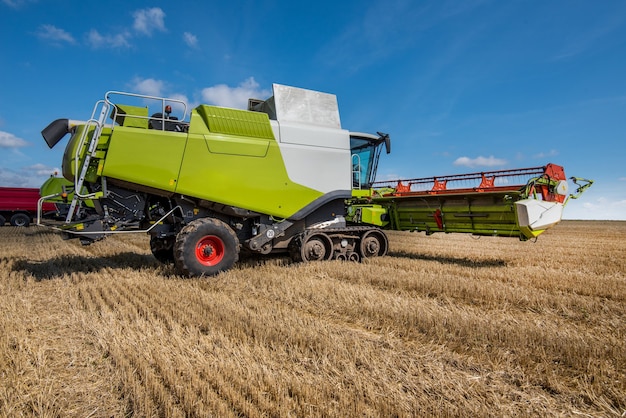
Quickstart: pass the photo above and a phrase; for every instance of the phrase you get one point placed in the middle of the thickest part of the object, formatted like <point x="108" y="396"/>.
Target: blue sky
<point x="461" y="86"/>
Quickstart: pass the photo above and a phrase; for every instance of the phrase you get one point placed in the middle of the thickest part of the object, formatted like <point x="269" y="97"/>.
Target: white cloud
<point x="54" y="34"/>
<point x="190" y="39"/>
<point x="146" y="21"/>
<point x="622" y="179"/>
<point x="148" y="86"/>
<point x="96" y="40"/>
<point x="149" y="20"/>
<point x="600" y="209"/>
<point x="32" y="176"/>
<point x="8" y="140"/>
<point x="11" y="178"/>
<point x="42" y="170"/>
<point x="480" y="161"/>
<point x="236" y="97"/>
<point x="549" y="154"/>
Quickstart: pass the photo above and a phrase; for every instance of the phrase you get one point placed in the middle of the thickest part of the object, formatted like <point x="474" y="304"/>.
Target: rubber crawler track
<point x="354" y="231"/>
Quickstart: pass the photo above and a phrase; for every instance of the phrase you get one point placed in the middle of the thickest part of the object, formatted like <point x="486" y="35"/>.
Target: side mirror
<point x="385" y="137"/>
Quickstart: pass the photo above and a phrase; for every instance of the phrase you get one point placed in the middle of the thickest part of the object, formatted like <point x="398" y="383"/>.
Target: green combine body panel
<point x="281" y="176"/>
<point x="57" y="189"/>
<point x="61" y="190"/>
<point x="228" y="156"/>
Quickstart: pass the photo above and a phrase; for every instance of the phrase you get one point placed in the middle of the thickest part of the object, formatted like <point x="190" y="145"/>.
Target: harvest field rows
<point x="445" y="325"/>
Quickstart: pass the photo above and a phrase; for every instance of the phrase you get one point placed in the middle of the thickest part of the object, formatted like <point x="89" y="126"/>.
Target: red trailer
<point x="18" y="205"/>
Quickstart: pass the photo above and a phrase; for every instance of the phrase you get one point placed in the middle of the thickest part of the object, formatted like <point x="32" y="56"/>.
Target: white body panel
<point x="537" y="214"/>
<point x="315" y="157"/>
<point x="315" y="150"/>
<point x="314" y="136"/>
<point x="325" y="170"/>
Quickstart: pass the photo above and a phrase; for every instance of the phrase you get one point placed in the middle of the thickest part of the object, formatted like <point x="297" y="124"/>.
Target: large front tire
<point x="205" y="247"/>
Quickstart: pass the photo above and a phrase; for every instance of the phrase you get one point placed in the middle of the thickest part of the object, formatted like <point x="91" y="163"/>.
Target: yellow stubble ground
<point x="444" y="325"/>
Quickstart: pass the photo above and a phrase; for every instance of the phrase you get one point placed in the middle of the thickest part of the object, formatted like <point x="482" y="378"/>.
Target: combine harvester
<point x="282" y="176"/>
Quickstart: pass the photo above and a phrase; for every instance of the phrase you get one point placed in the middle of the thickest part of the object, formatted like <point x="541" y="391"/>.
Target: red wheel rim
<point x="210" y="250"/>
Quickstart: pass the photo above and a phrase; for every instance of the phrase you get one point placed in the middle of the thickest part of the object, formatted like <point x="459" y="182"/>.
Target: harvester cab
<point x="366" y="149"/>
<point x="281" y="176"/>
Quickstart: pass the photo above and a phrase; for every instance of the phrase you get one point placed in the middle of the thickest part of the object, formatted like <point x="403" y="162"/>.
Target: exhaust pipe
<point x="54" y="132"/>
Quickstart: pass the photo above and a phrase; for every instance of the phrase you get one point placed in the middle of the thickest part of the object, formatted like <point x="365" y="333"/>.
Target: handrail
<point x="40" y="206"/>
<point x="162" y="100"/>
<point x="358" y="170"/>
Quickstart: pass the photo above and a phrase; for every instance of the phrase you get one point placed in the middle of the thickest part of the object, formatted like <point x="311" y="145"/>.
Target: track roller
<point x="311" y="247"/>
<point x="373" y="243"/>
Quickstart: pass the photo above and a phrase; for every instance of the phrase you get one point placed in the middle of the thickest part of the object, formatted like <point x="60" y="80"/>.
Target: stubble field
<point x="446" y="325"/>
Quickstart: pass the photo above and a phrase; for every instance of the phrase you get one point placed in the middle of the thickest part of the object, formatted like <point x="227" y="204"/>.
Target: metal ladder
<point x="92" y="144"/>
